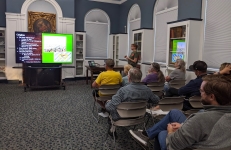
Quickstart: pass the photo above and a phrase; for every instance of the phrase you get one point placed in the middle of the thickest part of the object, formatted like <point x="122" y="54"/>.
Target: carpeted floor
<point x="54" y="120"/>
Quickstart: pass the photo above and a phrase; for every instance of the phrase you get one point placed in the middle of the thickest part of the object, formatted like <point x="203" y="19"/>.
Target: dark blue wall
<point x="67" y="6"/>
<point x="146" y="7"/>
<point x="189" y="9"/>
<point x="84" y="6"/>
<point x="2" y="13"/>
<point x="118" y="13"/>
<point x="14" y="6"/>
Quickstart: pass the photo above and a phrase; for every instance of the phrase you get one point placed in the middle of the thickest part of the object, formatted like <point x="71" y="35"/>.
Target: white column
<point x="14" y="22"/>
<point x="67" y="25"/>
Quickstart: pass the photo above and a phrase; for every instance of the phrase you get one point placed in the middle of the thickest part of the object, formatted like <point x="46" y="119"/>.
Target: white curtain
<point x="217" y="40"/>
<point x="161" y="33"/>
<point x="97" y="39"/>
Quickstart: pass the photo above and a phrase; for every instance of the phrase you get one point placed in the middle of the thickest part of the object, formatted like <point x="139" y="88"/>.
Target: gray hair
<point x="181" y="64"/>
<point x="135" y="75"/>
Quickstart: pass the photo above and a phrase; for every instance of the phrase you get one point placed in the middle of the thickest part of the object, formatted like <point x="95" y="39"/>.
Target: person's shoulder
<point x="117" y="73"/>
<point x="205" y="117"/>
<point x="125" y="77"/>
<point x="144" y="87"/>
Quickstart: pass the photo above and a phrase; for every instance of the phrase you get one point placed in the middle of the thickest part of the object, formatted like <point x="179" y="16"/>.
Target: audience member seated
<point x="208" y="129"/>
<point x="131" y="93"/>
<point x="154" y="74"/>
<point x="177" y="74"/>
<point x="225" y="69"/>
<point x="109" y="77"/>
<point x="125" y="78"/>
<point x="193" y="87"/>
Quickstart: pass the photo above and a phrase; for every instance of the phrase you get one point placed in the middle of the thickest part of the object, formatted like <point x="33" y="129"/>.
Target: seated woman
<point x="225" y="69"/>
<point x="154" y="74"/>
<point x="177" y="74"/>
<point x="125" y="78"/>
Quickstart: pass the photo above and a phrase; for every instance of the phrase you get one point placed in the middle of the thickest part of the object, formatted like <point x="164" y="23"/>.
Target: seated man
<point x="193" y="87"/>
<point x="208" y="129"/>
<point x="108" y="77"/>
<point x="132" y="92"/>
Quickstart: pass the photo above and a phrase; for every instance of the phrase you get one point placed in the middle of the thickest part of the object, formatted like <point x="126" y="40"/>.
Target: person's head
<point x="109" y="64"/>
<point x="223" y="65"/>
<point x="180" y="64"/>
<point x="199" y="67"/>
<point x="127" y="68"/>
<point x="134" y="47"/>
<point x="42" y="25"/>
<point x="134" y="75"/>
<point x="216" y="90"/>
<point x="155" y="68"/>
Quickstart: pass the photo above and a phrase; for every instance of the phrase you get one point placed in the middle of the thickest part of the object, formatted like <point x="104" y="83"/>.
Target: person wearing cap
<point x="109" y="77"/>
<point x="193" y="87"/>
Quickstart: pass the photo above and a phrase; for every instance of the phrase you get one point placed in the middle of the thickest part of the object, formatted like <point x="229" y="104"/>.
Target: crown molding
<point x="110" y="1"/>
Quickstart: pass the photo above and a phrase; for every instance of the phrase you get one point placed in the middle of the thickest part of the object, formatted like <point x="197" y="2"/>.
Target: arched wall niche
<point x="97" y="27"/>
<point x="133" y="22"/>
<point x="47" y="6"/>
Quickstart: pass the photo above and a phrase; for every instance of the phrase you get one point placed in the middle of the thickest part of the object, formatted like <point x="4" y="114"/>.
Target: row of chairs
<point x="133" y="113"/>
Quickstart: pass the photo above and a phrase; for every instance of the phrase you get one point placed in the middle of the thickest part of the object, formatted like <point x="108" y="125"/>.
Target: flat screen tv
<point x="43" y="48"/>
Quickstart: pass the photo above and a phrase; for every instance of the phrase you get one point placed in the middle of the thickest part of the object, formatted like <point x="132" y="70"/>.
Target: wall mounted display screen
<point x="28" y="47"/>
<point x="43" y="47"/>
<point x="178" y="51"/>
<point x="57" y="48"/>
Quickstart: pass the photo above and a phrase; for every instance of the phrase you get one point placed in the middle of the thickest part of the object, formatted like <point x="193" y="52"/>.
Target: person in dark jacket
<point x="193" y="87"/>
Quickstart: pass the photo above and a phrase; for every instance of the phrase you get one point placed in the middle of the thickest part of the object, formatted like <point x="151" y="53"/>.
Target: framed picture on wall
<point x="40" y="22"/>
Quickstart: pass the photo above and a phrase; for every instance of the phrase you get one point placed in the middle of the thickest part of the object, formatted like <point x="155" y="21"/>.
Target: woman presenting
<point x="133" y="58"/>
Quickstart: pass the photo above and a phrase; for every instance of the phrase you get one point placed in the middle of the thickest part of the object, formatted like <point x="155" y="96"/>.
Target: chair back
<point x="158" y="93"/>
<point x="169" y="103"/>
<point x="226" y="148"/>
<point x="132" y="109"/>
<point x="195" y="102"/>
<point x="109" y="90"/>
<point x="155" y="84"/>
<point x="156" y="88"/>
<point x="177" y="83"/>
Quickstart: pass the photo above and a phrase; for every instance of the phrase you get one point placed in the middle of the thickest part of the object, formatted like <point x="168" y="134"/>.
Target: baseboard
<point x="76" y="78"/>
<point x="66" y="79"/>
<point x="4" y="81"/>
<point x="11" y="81"/>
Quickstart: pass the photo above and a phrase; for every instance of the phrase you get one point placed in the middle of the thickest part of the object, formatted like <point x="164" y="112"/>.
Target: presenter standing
<point x="133" y="58"/>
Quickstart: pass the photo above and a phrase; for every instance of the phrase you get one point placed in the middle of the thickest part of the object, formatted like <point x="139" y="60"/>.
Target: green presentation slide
<point x="57" y="48"/>
<point x="174" y="47"/>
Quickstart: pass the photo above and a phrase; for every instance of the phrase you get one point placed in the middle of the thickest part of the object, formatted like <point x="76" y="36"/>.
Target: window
<point x="217" y="34"/>
<point x="165" y="11"/>
<point x="97" y="26"/>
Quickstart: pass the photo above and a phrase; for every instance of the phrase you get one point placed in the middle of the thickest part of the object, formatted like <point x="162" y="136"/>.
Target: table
<point x="42" y="75"/>
<point x="119" y="68"/>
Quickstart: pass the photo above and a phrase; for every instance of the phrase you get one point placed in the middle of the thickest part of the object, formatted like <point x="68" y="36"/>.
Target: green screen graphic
<point x="57" y="48"/>
<point x="178" y="50"/>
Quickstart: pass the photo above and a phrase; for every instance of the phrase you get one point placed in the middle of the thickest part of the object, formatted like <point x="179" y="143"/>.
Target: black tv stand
<point x="43" y="76"/>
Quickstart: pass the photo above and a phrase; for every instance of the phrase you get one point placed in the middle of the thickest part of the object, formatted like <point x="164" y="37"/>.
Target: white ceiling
<point x="111" y="1"/>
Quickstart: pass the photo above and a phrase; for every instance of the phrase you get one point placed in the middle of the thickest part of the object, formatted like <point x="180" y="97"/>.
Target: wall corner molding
<point x="27" y="3"/>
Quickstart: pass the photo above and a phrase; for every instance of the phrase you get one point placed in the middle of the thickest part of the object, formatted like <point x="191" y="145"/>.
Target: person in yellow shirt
<point x="109" y="77"/>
